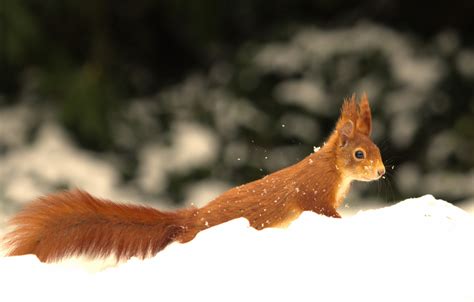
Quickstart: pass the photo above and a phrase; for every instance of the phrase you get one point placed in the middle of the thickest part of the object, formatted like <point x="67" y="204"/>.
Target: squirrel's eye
<point x="359" y="154"/>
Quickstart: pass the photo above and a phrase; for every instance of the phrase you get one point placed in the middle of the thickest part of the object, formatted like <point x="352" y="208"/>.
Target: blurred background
<point x="173" y="102"/>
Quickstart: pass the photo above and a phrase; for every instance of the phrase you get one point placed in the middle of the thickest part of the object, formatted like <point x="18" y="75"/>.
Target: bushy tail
<point x="75" y="223"/>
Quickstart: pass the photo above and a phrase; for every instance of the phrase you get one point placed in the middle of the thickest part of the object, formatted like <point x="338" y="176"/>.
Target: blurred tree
<point x="251" y="62"/>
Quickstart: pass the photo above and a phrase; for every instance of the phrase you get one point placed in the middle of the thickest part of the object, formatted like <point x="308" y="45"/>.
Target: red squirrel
<point x="75" y="223"/>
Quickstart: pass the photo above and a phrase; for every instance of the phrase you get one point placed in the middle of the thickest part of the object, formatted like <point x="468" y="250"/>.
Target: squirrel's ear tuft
<point x="349" y="109"/>
<point x="364" y="121"/>
<point x="346" y="132"/>
<point x="346" y="123"/>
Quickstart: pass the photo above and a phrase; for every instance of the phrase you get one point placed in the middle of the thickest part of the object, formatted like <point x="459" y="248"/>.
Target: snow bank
<point x="417" y="250"/>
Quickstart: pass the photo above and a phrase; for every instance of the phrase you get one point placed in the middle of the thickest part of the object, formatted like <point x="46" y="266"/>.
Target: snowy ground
<point x="417" y="250"/>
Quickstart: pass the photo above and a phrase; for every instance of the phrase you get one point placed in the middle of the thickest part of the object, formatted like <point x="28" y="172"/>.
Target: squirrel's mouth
<point x="377" y="174"/>
<point x="368" y="178"/>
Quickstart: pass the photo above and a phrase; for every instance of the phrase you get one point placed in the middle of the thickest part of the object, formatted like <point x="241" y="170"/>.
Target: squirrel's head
<point x="357" y="157"/>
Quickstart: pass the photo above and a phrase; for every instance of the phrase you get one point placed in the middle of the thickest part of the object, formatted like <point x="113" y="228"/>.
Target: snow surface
<point x="420" y="249"/>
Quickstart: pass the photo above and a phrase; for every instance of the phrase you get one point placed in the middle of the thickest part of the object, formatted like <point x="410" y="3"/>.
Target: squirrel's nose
<point x="381" y="171"/>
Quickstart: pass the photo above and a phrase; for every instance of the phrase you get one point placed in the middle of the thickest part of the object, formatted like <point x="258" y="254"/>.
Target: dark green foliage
<point x="91" y="61"/>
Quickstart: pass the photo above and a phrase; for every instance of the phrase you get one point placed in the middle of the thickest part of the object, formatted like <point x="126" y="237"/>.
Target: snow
<point x="312" y="46"/>
<point x="420" y="249"/>
<point x="29" y="171"/>
<point x="192" y="146"/>
<point x="306" y="93"/>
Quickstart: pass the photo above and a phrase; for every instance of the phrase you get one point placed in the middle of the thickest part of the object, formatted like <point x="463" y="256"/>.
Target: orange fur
<point x="76" y="223"/>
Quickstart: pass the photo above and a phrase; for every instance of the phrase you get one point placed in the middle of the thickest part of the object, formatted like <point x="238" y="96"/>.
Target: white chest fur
<point x="342" y="190"/>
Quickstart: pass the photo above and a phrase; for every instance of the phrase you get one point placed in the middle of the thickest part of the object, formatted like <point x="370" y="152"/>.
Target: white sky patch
<point x="231" y="112"/>
<point x="312" y="46"/>
<point x="419" y="249"/>
<point x="408" y="177"/>
<point x="306" y="93"/>
<point x="452" y="184"/>
<point x="15" y="123"/>
<point x="152" y="172"/>
<point x="448" y="41"/>
<point x="192" y="146"/>
<point x="53" y="160"/>
<point x="234" y="151"/>
<point x="280" y="57"/>
<point x="300" y="126"/>
<point x="200" y="193"/>
<point x="281" y="157"/>
<point x="441" y="147"/>
<point x="465" y="62"/>
<point x="403" y="128"/>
